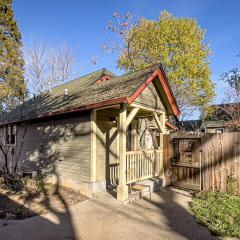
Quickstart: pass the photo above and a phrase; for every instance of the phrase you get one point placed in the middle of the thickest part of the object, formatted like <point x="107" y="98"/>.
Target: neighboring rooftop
<point x="218" y="113"/>
<point x="189" y="125"/>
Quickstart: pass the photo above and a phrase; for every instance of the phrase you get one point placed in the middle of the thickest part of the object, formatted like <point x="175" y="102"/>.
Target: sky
<point x="82" y="25"/>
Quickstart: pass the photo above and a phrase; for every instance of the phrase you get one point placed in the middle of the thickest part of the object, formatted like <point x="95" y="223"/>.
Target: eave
<point x="157" y="74"/>
<point x="172" y="126"/>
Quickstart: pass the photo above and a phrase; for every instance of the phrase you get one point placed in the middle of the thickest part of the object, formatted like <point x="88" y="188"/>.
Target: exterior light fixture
<point x="65" y="92"/>
<point x="113" y="120"/>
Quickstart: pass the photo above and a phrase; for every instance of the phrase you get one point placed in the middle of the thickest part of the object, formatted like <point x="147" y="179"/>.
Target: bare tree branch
<point x="232" y="109"/>
<point x="46" y="67"/>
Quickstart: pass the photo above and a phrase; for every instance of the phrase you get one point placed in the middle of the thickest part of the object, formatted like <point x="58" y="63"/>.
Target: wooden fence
<point x="167" y="156"/>
<point x="219" y="161"/>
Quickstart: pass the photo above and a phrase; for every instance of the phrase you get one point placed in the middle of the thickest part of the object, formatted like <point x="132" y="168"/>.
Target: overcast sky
<point x="83" y="26"/>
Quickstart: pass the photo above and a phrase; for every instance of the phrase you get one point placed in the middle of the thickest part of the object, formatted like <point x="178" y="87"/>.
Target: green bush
<point x="232" y="184"/>
<point x="220" y="212"/>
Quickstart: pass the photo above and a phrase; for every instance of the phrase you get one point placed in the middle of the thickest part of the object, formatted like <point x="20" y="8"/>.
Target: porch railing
<point x="113" y="174"/>
<point x="140" y="165"/>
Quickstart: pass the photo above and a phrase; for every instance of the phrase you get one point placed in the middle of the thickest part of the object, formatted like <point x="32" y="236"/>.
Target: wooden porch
<point x="140" y="165"/>
<point x="127" y="161"/>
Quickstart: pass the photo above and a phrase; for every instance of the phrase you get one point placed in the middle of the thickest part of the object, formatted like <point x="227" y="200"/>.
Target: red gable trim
<point x="103" y="78"/>
<point x="165" y="86"/>
<point x="72" y="110"/>
<point x="170" y="125"/>
<point x="129" y="100"/>
<point x="142" y="87"/>
<point x="168" y="92"/>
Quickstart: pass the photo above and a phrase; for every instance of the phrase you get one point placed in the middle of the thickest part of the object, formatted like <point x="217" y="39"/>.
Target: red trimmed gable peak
<point x="104" y="78"/>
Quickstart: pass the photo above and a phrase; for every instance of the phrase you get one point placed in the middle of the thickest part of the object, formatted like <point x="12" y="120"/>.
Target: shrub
<point x="232" y="185"/>
<point x="220" y="212"/>
<point x="33" y="184"/>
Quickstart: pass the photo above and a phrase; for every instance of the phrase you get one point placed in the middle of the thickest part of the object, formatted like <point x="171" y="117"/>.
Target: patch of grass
<point x="220" y="212"/>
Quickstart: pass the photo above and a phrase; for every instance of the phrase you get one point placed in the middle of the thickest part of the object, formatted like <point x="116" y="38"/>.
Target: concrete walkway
<point x="104" y="218"/>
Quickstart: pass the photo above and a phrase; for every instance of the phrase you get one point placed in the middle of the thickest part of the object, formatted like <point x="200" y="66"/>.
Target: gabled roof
<point x="82" y="82"/>
<point x="85" y="93"/>
<point x="219" y="112"/>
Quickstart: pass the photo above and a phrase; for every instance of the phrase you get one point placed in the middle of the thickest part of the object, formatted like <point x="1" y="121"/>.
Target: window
<point x="11" y="135"/>
<point x="219" y="130"/>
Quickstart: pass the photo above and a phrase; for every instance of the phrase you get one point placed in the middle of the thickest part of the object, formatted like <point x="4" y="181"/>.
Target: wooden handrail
<point x="144" y="151"/>
<point x="140" y="165"/>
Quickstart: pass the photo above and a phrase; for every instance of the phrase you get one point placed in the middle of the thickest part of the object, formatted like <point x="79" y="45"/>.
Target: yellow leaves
<point x="178" y="43"/>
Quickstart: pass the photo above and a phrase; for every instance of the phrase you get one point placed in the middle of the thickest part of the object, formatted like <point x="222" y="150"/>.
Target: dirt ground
<point x="28" y="204"/>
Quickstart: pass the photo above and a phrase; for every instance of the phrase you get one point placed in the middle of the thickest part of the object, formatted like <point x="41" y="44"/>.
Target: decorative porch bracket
<point x="159" y="168"/>
<point x="131" y="116"/>
<point x="129" y="119"/>
<point x="161" y="125"/>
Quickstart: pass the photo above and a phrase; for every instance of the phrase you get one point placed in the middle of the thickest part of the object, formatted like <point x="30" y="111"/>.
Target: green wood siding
<point x="106" y="149"/>
<point x="150" y="98"/>
<point x="64" y="143"/>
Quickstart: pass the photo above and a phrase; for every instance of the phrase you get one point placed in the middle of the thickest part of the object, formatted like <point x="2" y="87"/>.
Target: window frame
<point x="219" y="130"/>
<point x="13" y="133"/>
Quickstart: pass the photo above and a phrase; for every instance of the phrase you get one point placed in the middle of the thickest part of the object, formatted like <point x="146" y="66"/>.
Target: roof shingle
<point x="82" y="91"/>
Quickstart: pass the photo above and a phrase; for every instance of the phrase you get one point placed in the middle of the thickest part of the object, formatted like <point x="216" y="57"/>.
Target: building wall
<point x="150" y="98"/>
<point x="60" y="143"/>
<point x="107" y="142"/>
<point x="215" y="130"/>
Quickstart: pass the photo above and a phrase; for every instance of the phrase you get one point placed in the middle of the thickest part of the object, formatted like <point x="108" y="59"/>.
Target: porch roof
<point x="87" y="93"/>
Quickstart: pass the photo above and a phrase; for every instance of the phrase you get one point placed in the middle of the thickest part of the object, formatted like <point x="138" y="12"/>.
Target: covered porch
<point x="129" y="142"/>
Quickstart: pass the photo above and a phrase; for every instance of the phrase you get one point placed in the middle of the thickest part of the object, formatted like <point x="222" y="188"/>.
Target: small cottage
<point x="96" y="132"/>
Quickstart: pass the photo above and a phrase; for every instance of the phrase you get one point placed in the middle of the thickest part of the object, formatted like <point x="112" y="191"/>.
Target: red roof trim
<point x="103" y="78"/>
<point x="142" y="87"/>
<point x="159" y="72"/>
<point x="71" y="110"/>
<point x="168" y="92"/>
<point x="165" y="86"/>
<point x="170" y="125"/>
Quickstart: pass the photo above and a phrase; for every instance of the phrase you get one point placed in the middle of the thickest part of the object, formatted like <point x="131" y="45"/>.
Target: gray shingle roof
<point x="219" y="112"/>
<point x="81" y="92"/>
<point x="189" y="125"/>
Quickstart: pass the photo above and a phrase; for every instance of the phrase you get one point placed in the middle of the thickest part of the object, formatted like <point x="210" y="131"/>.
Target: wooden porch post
<point x="93" y="145"/>
<point x="161" y="167"/>
<point x="162" y="130"/>
<point x="122" y="189"/>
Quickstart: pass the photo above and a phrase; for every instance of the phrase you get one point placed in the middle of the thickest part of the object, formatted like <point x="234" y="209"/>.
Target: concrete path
<point x="104" y="218"/>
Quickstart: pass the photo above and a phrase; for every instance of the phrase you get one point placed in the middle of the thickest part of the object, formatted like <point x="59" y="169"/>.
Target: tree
<point x="13" y="90"/>
<point x="232" y="98"/>
<point x="10" y="173"/>
<point x="48" y="67"/>
<point x="232" y="78"/>
<point x="178" y="43"/>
